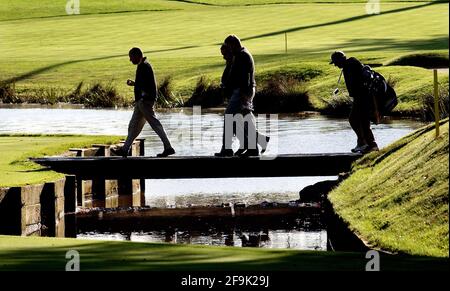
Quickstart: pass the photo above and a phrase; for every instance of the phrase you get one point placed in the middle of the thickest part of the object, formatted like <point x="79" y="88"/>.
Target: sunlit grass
<point x="397" y="199"/>
<point x="15" y="150"/>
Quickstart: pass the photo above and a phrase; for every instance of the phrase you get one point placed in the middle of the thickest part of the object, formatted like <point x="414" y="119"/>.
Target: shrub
<point x="427" y="106"/>
<point x="339" y="105"/>
<point x="281" y="94"/>
<point x="96" y="95"/>
<point x="206" y="94"/>
<point x="166" y="97"/>
<point x="8" y="93"/>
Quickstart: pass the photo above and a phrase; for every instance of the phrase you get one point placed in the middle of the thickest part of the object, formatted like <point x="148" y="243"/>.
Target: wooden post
<point x="141" y="201"/>
<point x="52" y="209"/>
<point x="129" y="189"/>
<point x="84" y="187"/>
<point x="101" y="188"/>
<point x="285" y="43"/>
<point x="70" y="205"/>
<point x="436" y="102"/>
<point x="10" y="211"/>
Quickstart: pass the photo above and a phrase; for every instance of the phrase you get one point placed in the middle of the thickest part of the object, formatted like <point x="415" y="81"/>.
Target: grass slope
<point x="16" y="170"/>
<point x="19" y="253"/>
<point x="397" y="199"/>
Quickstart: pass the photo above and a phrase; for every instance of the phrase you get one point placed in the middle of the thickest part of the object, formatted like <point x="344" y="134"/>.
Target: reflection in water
<point x="184" y="193"/>
<point x="277" y="239"/>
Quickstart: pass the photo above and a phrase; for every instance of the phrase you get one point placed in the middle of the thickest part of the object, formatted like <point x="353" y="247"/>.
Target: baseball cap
<point x="337" y="55"/>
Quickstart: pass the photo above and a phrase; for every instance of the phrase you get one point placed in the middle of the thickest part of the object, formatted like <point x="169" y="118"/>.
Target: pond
<point x="195" y="132"/>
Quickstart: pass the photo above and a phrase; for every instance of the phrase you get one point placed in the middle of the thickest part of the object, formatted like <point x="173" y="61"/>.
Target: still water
<point x="199" y="133"/>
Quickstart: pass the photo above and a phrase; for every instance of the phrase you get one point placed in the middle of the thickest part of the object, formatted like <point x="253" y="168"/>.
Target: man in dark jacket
<point x="240" y="81"/>
<point x="145" y="93"/>
<point x="360" y="114"/>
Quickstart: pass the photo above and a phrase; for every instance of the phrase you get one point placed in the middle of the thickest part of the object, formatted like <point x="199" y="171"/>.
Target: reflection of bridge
<point x="140" y="167"/>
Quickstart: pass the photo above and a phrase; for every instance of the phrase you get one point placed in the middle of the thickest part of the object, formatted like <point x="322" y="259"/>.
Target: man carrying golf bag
<point x="372" y="97"/>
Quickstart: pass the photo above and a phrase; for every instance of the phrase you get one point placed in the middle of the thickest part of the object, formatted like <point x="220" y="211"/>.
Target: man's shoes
<point x="358" y="148"/>
<point x="120" y="151"/>
<point x="224" y="153"/>
<point x="250" y="153"/>
<point x="367" y="149"/>
<point x="264" y="144"/>
<point x="362" y="149"/>
<point x="373" y="148"/>
<point x="239" y="152"/>
<point x="166" y="153"/>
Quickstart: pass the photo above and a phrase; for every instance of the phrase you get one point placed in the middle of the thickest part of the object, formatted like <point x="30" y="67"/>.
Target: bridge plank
<point x="322" y="164"/>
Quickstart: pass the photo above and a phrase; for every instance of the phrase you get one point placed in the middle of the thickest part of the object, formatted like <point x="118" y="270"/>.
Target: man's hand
<point x="130" y="82"/>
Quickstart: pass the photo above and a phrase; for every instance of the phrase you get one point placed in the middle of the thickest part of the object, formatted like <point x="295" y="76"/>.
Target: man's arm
<point x="245" y="72"/>
<point x="355" y="87"/>
<point x="148" y="86"/>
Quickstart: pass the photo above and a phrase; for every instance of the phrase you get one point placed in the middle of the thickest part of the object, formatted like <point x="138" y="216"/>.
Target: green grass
<point x="15" y="150"/>
<point x="183" y="40"/>
<point x="397" y="199"/>
<point x="265" y="2"/>
<point x="33" y="253"/>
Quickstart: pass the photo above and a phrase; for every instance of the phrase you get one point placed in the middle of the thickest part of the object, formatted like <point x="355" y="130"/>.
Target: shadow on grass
<point x="163" y="257"/>
<point x="93" y="13"/>
<point x="54" y="66"/>
<point x="349" y="19"/>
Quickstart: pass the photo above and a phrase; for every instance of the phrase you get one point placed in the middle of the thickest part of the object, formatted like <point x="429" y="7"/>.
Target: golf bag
<point x="384" y="98"/>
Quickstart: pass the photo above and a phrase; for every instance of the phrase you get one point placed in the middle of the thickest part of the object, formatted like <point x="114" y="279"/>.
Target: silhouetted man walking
<point x="360" y="114"/>
<point x="145" y="93"/>
<point x="239" y="79"/>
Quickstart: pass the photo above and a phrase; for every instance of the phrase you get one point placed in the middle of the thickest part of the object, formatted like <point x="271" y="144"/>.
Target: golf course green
<point x="46" y="53"/>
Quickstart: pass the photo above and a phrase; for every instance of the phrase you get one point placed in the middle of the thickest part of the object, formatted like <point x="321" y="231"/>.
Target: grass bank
<point x="15" y="150"/>
<point x="397" y="199"/>
<point x="18" y="253"/>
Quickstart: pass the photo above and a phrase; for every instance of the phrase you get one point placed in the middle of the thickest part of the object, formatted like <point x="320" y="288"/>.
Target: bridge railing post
<point x="129" y="189"/>
<point x="140" y="201"/>
<point x="105" y="192"/>
<point x="84" y="187"/>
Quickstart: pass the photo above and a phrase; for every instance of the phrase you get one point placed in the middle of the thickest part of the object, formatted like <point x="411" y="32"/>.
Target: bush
<point x="166" y="97"/>
<point x="339" y="105"/>
<point x="206" y="94"/>
<point x="427" y="108"/>
<point x="8" y="93"/>
<point x="281" y="94"/>
<point x="96" y="95"/>
<point x="300" y="74"/>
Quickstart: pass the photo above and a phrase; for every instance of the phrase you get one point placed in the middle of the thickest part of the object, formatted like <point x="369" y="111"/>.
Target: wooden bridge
<point x="326" y="164"/>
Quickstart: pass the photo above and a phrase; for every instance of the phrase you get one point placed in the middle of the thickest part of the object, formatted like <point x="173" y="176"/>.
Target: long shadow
<point x="143" y="256"/>
<point x="94" y="13"/>
<point x="48" y="68"/>
<point x="195" y="2"/>
<point x="350" y="19"/>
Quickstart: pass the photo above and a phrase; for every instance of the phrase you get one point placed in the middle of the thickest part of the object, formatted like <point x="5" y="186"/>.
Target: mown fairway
<point x="42" y="47"/>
